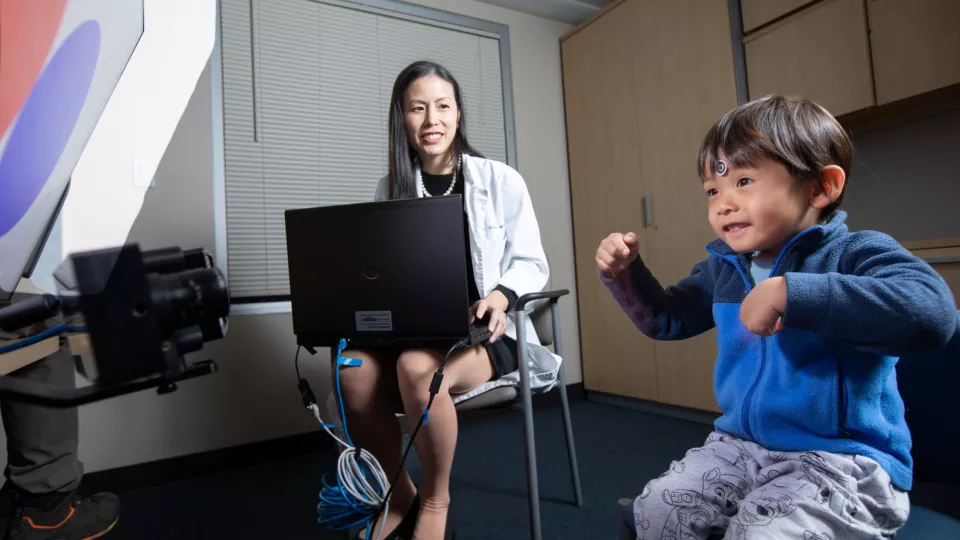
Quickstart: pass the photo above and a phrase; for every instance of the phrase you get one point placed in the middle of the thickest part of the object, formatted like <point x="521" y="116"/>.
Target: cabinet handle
<point x="647" y="215"/>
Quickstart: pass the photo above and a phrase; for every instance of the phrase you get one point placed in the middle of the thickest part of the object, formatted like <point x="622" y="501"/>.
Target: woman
<point x="430" y="156"/>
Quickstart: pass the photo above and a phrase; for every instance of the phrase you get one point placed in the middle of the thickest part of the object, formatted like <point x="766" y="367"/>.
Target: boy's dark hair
<point x="799" y="134"/>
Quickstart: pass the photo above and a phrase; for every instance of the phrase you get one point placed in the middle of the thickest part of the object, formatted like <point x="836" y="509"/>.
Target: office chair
<point x="546" y="319"/>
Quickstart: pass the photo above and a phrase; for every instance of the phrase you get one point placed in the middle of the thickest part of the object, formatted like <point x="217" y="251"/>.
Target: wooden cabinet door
<point x="821" y="54"/>
<point x="684" y="82"/>
<point x="759" y="12"/>
<point x="915" y="45"/>
<point x="605" y="191"/>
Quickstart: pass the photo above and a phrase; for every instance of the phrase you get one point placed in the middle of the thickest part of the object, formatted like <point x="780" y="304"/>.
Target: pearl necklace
<point x="453" y="181"/>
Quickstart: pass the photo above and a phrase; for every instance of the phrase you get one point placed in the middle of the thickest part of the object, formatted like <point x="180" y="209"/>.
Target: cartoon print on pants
<point x="893" y="515"/>
<point x="743" y="458"/>
<point x="814" y="465"/>
<point x="675" y="466"/>
<point x="642" y="524"/>
<point x="836" y="499"/>
<point x="695" y="511"/>
<point x="724" y="490"/>
<point x="761" y="512"/>
<point x="689" y="513"/>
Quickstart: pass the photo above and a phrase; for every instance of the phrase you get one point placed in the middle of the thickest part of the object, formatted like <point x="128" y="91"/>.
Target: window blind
<point x="306" y="89"/>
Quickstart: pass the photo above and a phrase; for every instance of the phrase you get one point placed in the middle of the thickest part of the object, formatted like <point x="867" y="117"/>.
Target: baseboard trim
<point x="652" y="407"/>
<point x="189" y="466"/>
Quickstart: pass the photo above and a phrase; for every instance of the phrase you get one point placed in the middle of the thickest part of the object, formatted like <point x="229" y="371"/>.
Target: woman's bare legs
<point x="371" y="398"/>
<point x="437" y="439"/>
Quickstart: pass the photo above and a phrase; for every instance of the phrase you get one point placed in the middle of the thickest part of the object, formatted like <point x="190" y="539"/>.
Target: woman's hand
<point x="495" y="307"/>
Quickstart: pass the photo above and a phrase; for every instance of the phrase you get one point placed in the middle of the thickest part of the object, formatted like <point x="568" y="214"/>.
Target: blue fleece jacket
<point x="856" y="302"/>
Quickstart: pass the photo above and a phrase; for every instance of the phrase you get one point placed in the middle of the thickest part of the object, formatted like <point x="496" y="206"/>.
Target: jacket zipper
<point x="763" y="345"/>
<point x="843" y="399"/>
<point x="745" y="408"/>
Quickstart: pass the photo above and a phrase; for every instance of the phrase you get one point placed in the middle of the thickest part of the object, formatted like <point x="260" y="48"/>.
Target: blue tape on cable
<point x="342" y="361"/>
<point x="426" y="417"/>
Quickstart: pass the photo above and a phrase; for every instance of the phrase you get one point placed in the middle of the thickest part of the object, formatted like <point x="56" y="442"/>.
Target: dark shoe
<point x="404" y="529"/>
<point x="74" y="518"/>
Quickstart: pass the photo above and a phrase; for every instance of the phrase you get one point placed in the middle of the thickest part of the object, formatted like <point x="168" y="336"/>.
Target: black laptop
<point x="380" y="273"/>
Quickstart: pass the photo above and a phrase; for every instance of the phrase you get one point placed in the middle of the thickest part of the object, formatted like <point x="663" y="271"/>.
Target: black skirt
<point x="503" y="356"/>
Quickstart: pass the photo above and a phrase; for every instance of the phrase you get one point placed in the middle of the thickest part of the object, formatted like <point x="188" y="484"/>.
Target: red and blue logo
<point x="42" y="92"/>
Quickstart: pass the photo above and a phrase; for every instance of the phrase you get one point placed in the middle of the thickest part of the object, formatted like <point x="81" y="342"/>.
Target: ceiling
<point x="568" y="11"/>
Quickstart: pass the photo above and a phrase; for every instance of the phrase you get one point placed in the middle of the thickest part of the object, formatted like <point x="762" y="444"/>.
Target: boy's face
<point x="757" y="208"/>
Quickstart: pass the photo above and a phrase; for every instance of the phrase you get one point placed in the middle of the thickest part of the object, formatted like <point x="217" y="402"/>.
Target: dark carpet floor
<point x="619" y="450"/>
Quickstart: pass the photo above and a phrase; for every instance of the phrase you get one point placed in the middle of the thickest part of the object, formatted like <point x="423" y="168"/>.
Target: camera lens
<point x="197" y="297"/>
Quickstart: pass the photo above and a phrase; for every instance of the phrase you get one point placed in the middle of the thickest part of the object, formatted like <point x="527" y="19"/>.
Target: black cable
<point x="306" y="393"/>
<point x="434" y="390"/>
<point x="296" y="364"/>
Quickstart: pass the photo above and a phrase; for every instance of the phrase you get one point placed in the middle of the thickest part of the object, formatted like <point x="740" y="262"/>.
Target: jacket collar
<point x="471" y="171"/>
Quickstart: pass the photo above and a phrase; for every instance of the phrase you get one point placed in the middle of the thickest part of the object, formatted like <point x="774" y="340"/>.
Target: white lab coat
<point x="505" y="249"/>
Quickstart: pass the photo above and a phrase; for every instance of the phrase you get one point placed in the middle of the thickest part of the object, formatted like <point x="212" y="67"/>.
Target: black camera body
<point x="143" y="311"/>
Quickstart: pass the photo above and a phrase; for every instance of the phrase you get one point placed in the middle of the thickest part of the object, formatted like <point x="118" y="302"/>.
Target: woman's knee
<point x="415" y="369"/>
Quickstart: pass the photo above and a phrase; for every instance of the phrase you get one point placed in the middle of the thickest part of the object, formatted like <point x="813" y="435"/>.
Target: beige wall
<point x="253" y="396"/>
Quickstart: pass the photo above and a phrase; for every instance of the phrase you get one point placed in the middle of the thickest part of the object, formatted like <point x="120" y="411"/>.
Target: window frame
<point x="396" y="8"/>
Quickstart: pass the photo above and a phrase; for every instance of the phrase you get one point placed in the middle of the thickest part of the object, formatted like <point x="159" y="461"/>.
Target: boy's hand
<point x="762" y="309"/>
<point x="617" y="252"/>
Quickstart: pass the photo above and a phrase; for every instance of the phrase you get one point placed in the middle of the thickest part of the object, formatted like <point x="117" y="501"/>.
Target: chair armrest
<point x="553" y="296"/>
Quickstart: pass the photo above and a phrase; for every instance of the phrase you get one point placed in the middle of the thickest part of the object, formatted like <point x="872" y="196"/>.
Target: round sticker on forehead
<point x="720" y="168"/>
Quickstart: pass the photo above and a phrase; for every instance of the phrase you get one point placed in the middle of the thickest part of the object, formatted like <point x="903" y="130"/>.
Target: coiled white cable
<point x="353" y="484"/>
<point x="368" y="489"/>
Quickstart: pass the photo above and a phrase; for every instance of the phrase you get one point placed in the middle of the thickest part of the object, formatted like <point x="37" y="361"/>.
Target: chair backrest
<point x="542" y="315"/>
<point x="928" y="384"/>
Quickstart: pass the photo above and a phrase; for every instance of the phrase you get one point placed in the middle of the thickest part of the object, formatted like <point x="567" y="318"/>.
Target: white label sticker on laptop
<point x="374" y="321"/>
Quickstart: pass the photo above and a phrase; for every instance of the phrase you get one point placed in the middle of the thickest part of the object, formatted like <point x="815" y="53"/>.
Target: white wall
<point x="135" y="128"/>
<point x="253" y="396"/>
<point x="905" y="181"/>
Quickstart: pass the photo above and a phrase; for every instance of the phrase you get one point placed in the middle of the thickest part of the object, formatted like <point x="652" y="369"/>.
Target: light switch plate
<point x="142" y="175"/>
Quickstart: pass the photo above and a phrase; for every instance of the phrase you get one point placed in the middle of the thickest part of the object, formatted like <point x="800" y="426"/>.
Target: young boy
<point x="810" y="319"/>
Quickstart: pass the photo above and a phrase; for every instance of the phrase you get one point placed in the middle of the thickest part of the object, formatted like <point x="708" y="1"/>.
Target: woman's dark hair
<point x="402" y="155"/>
<point x="799" y="134"/>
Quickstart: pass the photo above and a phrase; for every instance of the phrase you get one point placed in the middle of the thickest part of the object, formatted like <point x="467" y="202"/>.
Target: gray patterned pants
<point x="738" y="489"/>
